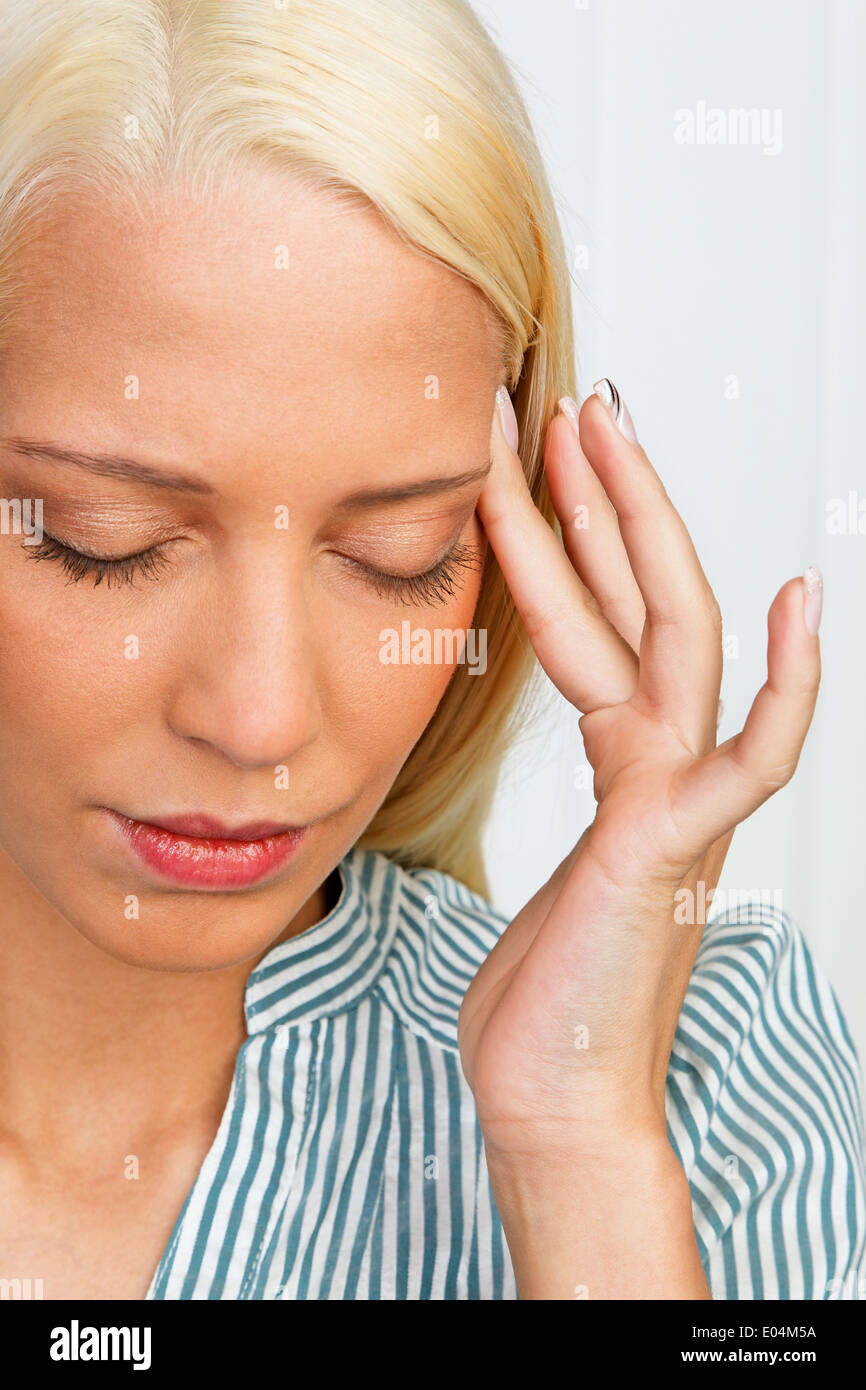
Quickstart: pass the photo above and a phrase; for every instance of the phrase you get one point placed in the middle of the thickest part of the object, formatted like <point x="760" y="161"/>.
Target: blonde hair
<point x="403" y="104"/>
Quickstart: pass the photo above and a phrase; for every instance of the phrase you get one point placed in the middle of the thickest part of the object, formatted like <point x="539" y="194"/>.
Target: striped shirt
<point x="349" y="1162"/>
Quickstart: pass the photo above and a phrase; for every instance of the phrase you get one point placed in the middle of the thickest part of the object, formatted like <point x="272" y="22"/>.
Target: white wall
<point x="707" y="262"/>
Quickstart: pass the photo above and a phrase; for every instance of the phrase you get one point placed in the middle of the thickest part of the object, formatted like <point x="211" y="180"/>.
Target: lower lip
<point x="202" y="862"/>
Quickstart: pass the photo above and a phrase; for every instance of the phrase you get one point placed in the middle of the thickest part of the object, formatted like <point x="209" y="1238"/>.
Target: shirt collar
<point x="327" y="968"/>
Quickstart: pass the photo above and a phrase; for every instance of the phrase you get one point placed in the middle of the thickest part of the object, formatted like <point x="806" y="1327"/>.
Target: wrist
<point x="611" y="1173"/>
<point x="614" y="1225"/>
<point x="616" y="1138"/>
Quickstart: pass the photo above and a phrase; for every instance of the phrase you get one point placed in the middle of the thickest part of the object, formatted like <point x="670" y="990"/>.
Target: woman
<point x="284" y="323"/>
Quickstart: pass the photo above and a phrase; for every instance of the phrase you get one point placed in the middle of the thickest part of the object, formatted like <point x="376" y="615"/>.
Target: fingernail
<point x="571" y="411"/>
<point x="813" y="585"/>
<point x="507" y="418"/>
<point x="610" y="397"/>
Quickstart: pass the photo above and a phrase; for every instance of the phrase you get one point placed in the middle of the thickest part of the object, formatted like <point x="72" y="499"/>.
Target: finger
<point x="680" y="655"/>
<point x="731" y="782"/>
<point x="587" y="660"/>
<point x="590" y="530"/>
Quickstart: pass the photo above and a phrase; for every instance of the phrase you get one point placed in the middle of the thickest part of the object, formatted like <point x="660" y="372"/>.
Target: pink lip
<point x="201" y="852"/>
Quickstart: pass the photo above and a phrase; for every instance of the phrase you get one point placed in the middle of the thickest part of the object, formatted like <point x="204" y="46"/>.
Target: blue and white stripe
<point x="764" y="1110"/>
<point x="349" y="1163"/>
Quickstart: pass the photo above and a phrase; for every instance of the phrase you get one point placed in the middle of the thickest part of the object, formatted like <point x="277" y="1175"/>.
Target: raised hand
<point x="566" y="1031"/>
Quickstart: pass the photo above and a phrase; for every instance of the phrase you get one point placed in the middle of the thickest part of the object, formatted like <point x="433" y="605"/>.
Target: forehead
<point x="274" y="300"/>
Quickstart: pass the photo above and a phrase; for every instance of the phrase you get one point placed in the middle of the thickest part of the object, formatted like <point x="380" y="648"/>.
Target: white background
<point x="707" y="262"/>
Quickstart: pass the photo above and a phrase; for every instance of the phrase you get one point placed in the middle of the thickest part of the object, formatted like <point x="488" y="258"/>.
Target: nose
<point x="247" y="682"/>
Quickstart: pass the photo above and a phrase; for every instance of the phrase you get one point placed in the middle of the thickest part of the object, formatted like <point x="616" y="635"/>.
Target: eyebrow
<point x="109" y="465"/>
<point x="116" y="466"/>
<point x="424" y="487"/>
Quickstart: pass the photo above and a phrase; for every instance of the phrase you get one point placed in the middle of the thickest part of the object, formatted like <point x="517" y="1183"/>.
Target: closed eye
<point x="79" y="564"/>
<point x="435" y="585"/>
<point x="432" y="586"/>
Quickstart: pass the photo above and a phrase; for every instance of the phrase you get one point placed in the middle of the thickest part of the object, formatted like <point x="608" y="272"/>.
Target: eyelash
<point x="433" y="586"/>
<point x="78" y="565"/>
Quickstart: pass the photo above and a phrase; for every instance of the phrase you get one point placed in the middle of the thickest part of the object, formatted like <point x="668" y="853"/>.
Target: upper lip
<point x="198" y="826"/>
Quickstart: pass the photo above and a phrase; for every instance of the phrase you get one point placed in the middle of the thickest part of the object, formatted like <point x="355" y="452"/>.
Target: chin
<point x="199" y="933"/>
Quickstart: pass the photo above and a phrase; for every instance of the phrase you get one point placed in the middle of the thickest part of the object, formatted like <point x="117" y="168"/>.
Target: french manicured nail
<point x="813" y="598"/>
<point x="610" y="397"/>
<point x="507" y="418"/>
<point x="571" y="411"/>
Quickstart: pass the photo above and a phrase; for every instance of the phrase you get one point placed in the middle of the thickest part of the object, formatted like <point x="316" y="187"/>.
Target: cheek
<point x="64" y="707"/>
<point x="62" y="676"/>
<point x="82" y="671"/>
<point x="381" y="687"/>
